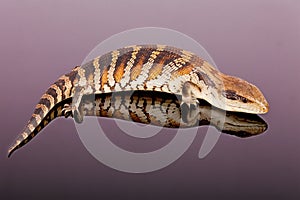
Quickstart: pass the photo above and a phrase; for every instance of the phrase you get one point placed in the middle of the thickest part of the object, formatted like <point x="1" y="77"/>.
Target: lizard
<point x="159" y="68"/>
<point x="159" y="109"/>
<point x="164" y="110"/>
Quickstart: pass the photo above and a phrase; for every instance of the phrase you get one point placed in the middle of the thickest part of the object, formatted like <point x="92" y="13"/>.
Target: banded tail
<point x="48" y="108"/>
<point x="146" y="68"/>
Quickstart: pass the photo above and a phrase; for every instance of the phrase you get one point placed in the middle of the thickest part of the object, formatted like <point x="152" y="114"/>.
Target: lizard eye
<point x="244" y="100"/>
<point x="232" y="95"/>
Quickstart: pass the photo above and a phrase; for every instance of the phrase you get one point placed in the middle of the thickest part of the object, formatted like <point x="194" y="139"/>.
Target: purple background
<point x="255" y="40"/>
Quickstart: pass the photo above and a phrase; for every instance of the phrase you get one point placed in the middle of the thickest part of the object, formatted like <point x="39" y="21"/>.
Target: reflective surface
<point x="255" y="40"/>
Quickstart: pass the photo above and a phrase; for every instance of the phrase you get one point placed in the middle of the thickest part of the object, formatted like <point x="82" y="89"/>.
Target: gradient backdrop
<point x="255" y="40"/>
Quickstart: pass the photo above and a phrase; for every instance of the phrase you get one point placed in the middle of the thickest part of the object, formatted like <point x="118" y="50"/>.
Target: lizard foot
<point x="67" y="111"/>
<point x="189" y="113"/>
<point x="190" y="92"/>
<point x="72" y="111"/>
<point x="189" y="102"/>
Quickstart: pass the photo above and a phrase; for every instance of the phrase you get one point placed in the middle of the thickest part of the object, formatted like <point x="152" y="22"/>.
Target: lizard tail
<point x="48" y="108"/>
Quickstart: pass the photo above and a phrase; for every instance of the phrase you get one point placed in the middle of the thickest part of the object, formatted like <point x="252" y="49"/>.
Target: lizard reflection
<point x="163" y="109"/>
<point x="159" y="109"/>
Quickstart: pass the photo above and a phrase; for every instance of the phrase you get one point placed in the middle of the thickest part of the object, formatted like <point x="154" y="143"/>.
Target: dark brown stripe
<point x="185" y="69"/>
<point x="72" y="75"/>
<point x="169" y="57"/>
<point x="53" y="93"/>
<point x="194" y="59"/>
<point x="204" y="77"/>
<point x="142" y="57"/>
<point x="104" y="78"/>
<point x="162" y="59"/>
<point x="124" y="54"/>
<point x="125" y="50"/>
<point x="134" y="116"/>
<point x="61" y="85"/>
<point x="230" y="94"/>
<point x="120" y="66"/>
<point x="45" y="102"/>
<point x="38" y="111"/>
<point x="33" y="122"/>
<point x="37" y="127"/>
<point x="89" y="69"/>
<point x="104" y="61"/>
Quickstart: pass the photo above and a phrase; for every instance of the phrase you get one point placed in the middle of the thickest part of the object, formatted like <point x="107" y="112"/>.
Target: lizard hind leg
<point x="74" y="109"/>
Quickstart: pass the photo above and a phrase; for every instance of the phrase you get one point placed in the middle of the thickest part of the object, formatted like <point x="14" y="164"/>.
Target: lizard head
<point x="241" y="96"/>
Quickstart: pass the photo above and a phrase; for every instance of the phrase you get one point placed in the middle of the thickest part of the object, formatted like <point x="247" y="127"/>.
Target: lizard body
<point x="157" y="68"/>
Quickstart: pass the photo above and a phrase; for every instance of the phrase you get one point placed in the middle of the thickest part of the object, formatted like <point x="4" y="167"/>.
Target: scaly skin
<point x="144" y="68"/>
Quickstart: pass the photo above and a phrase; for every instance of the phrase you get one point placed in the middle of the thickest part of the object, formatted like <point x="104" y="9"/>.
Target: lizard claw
<point x="67" y="111"/>
<point x="72" y="111"/>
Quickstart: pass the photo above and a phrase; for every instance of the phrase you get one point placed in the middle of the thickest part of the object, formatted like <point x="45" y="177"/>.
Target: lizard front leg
<point x="190" y="92"/>
<point x="189" y="104"/>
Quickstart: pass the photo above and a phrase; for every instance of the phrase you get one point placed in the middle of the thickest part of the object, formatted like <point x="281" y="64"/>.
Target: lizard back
<point x="147" y="68"/>
<point x="141" y="67"/>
